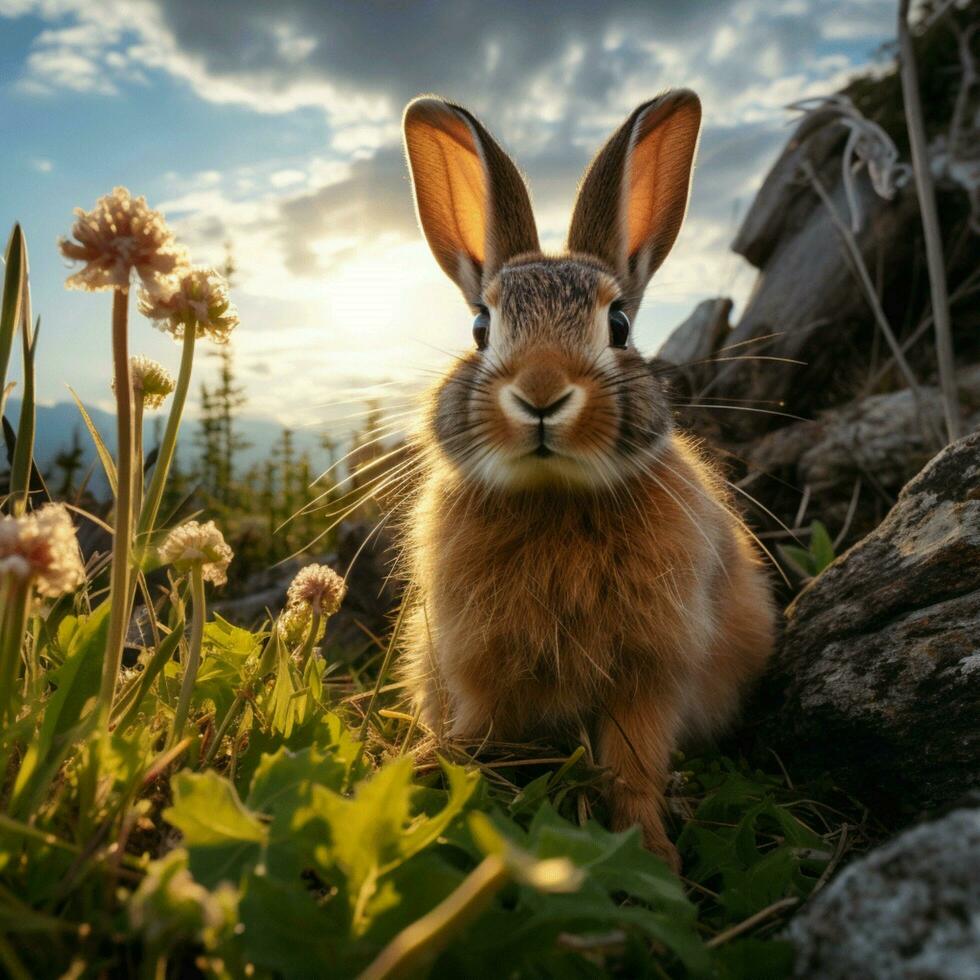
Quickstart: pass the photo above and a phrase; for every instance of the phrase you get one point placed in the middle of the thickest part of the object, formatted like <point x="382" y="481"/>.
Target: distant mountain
<point x="57" y="423"/>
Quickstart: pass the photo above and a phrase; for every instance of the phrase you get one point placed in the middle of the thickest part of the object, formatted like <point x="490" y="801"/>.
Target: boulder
<point x="877" y="676"/>
<point x="700" y="335"/>
<point x="909" y="909"/>
<point x="888" y="437"/>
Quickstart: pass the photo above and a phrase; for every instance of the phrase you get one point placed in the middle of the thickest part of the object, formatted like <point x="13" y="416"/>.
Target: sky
<point x="275" y="126"/>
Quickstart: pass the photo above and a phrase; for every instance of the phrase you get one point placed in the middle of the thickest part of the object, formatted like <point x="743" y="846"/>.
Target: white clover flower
<point x="119" y="234"/>
<point x="151" y="378"/>
<point x="318" y="587"/>
<point x="42" y="546"/>
<point x="193" y="543"/>
<point x="196" y="298"/>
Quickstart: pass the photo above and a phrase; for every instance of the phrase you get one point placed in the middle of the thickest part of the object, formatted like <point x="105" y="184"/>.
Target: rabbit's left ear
<point x="472" y="202"/>
<point x="632" y="200"/>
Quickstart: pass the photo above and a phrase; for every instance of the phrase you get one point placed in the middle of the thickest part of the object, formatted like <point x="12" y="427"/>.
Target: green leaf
<point x="283" y="779"/>
<point x="233" y="643"/>
<point x="169" y="908"/>
<point x="288" y="932"/>
<point x="76" y="684"/>
<point x="221" y="835"/>
<point x="282" y="702"/>
<point x="326" y="731"/>
<point x="530" y="797"/>
<point x="426" y="830"/>
<point x="14" y="289"/>
<point x="798" y="558"/>
<point x="405" y="895"/>
<point x="367" y="830"/>
<point x="614" y="866"/>
<point x="821" y="547"/>
<point x="750" y="959"/>
<point x="22" y="463"/>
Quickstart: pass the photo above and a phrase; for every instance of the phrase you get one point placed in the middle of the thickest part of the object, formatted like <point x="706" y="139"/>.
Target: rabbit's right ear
<point x="472" y="203"/>
<point x="632" y="201"/>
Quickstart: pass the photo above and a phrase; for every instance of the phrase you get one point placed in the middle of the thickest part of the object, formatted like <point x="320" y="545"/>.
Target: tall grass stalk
<point x="930" y="224"/>
<point x="137" y="453"/>
<point x="154" y="494"/>
<point x="14" y="286"/>
<point x="120" y="575"/>
<point x="193" y="652"/>
<point x="20" y="468"/>
<point x="16" y="598"/>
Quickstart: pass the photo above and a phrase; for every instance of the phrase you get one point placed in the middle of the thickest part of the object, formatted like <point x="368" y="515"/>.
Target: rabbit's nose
<point x="542" y="412"/>
<point x="540" y="387"/>
<point x="539" y="394"/>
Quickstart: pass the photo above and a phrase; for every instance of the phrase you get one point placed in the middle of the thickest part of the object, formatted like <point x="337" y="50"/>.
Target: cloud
<point x="372" y="201"/>
<point x="328" y="234"/>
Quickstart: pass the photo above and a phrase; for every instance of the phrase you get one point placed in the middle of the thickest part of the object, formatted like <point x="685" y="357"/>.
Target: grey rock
<point x="889" y="436"/>
<point x="700" y="335"/>
<point x="877" y="676"/>
<point x="909" y="910"/>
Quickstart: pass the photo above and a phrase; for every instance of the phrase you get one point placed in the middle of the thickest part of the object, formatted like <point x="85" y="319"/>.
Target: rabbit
<point x="577" y="563"/>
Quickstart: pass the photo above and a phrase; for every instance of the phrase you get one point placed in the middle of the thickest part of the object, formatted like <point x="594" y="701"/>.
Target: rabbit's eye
<point x="481" y="328"/>
<point x="619" y="327"/>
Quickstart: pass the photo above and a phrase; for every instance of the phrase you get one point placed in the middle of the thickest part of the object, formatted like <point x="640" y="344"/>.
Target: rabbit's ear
<point x="632" y="200"/>
<point x="472" y="203"/>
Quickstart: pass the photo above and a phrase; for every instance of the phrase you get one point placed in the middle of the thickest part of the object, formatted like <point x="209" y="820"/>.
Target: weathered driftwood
<point x="877" y="677"/>
<point x="807" y="293"/>
<point x="910" y="908"/>
<point x="887" y="437"/>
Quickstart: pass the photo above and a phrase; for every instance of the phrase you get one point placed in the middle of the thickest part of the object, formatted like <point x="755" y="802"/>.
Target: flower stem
<point x="13" y="626"/>
<point x="120" y="574"/>
<point x="220" y="733"/>
<point x="161" y="469"/>
<point x="193" y="652"/>
<point x="310" y="641"/>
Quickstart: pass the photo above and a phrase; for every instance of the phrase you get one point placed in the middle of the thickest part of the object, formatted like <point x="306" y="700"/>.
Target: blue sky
<point x="276" y="126"/>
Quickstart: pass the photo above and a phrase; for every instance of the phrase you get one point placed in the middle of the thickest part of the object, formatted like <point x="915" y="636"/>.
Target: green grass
<point x="303" y="852"/>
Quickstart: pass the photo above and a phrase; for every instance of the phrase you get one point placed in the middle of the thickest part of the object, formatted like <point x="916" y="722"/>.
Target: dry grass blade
<point x="865" y="279"/>
<point x="105" y="457"/>
<point x="751" y="922"/>
<point x="930" y="224"/>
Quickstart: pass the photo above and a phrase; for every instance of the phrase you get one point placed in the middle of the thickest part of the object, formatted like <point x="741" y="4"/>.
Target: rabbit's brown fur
<point x="578" y="565"/>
